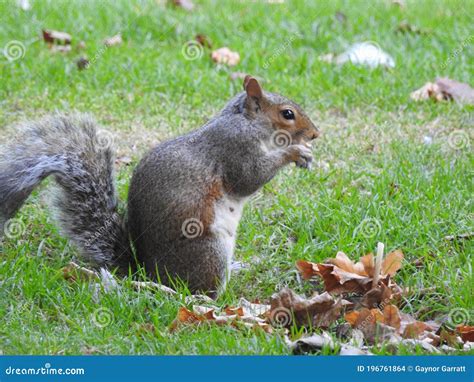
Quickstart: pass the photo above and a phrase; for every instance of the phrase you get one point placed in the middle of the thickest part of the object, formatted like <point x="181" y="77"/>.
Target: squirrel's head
<point x="282" y="113"/>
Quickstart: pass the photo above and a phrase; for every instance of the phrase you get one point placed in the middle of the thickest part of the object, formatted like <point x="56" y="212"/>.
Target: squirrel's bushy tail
<point x="79" y="157"/>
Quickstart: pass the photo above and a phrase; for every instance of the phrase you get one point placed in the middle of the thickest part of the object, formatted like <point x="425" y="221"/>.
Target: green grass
<point x="371" y="162"/>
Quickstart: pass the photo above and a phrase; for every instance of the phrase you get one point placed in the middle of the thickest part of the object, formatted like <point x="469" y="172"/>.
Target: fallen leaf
<point x="414" y="330"/>
<point x="325" y="319"/>
<point x="406" y="27"/>
<point x="380" y="295"/>
<point x="307" y="269"/>
<point x="140" y="285"/>
<point x="234" y="311"/>
<point x="114" y="40"/>
<point x="352" y="350"/>
<point x="82" y="63"/>
<point x="188" y="5"/>
<point x="225" y="56"/>
<point x="74" y="272"/>
<point x="254" y="308"/>
<point x="458" y="91"/>
<point x="462" y="236"/>
<point x="391" y="316"/>
<point x="342" y="275"/>
<point x="392" y="263"/>
<point x="445" y="89"/>
<point x="312" y="343"/>
<point x="316" y="342"/>
<point x="288" y="308"/>
<point x="466" y="333"/>
<point x="56" y="37"/>
<point x="203" y="40"/>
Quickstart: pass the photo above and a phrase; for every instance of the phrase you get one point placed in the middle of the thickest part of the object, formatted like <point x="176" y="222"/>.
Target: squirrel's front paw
<point x="301" y="155"/>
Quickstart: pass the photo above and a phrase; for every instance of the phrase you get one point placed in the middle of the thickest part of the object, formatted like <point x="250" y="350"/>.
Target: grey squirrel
<point x="185" y="197"/>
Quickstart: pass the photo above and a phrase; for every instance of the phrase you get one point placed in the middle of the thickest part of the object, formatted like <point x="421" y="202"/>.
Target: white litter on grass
<point x="362" y="53"/>
<point x="24" y="4"/>
<point x="427" y="140"/>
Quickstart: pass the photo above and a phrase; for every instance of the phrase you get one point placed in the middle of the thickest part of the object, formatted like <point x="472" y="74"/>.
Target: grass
<point x="372" y="163"/>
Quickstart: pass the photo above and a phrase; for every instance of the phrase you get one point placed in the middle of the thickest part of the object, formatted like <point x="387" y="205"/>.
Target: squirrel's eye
<point x="288" y="114"/>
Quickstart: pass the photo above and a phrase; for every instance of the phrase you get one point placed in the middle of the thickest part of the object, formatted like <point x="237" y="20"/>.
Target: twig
<point x="467" y="235"/>
<point x="378" y="264"/>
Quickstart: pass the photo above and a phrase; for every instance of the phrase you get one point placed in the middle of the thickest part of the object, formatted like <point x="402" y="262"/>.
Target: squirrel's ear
<point x="252" y="87"/>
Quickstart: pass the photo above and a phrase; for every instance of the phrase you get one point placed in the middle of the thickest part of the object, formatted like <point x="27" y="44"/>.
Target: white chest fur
<point x="227" y="213"/>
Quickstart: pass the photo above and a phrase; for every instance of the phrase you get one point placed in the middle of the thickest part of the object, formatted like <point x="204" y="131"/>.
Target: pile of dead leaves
<point x="359" y="308"/>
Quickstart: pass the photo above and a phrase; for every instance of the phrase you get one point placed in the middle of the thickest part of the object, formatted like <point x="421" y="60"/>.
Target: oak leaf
<point x="341" y="274"/>
<point x="288" y="308"/>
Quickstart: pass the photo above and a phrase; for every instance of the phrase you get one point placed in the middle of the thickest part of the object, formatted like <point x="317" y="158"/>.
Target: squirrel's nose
<point x="314" y="134"/>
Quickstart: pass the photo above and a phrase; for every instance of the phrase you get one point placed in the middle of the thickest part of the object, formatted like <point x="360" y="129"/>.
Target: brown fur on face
<point x="271" y="105"/>
<point x="301" y="128"/>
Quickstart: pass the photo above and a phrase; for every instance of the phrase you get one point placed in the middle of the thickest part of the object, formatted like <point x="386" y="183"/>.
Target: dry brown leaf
<point x="325" y="319"/>
<point x="234" y="311"/>
<point x="56" y="37"/>
<point x="74" y="272"/>
<point x="392" y="263"/>
<point x="307" y="269"/>
<point x="342" y="275"/>
<point x="288" y="308"/>
<point x="351" y="317"/>
<point x="225" y="56"/>
<point x="114" y="40"/>
<point x="391" y="316"/>
<point x="445" y="89"/>
<point x="448" y="336"/>
<point x="458" y="91"/>
<point x="414" y="329"/>
<point x="406" y="27"/>
<point x="372" y="325"/>
<point x="380" y="295"/>
<point x="237" y="317"/>
<point x="254" y="308"/>
<point x="82" y="63"/>
<point x="466" y="332"/>
<point x="188" y="5"/>
<point x="203" y="40"/>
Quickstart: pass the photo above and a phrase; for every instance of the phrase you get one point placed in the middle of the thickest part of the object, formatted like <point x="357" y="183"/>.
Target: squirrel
<point x="185" y="196"/>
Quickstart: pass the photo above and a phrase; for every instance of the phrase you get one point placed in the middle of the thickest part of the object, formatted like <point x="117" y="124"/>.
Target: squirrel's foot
<point x="301" y="155"/>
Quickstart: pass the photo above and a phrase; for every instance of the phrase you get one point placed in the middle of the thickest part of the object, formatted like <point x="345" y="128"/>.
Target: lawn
<point x="386" y="168"/>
